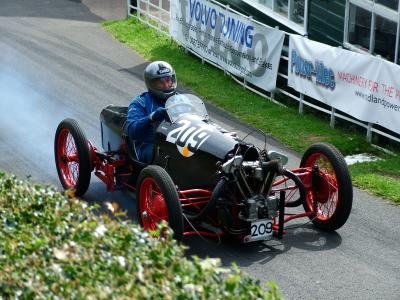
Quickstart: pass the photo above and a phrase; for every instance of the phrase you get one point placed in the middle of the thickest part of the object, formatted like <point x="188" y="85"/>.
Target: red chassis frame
<point x="105" y="166"/>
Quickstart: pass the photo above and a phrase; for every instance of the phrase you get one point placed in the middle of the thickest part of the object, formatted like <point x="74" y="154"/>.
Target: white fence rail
<point x="158" y="12"/>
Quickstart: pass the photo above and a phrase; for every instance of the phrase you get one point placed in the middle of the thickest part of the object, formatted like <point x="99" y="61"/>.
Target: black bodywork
<point x="199" y="170"/>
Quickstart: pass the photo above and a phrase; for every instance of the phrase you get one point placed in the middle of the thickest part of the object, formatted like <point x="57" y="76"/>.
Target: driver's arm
<point x="137" y="121"/>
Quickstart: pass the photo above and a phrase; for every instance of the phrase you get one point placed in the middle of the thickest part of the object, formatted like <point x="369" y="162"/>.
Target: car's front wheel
<point x="158" y="200"/>
<point x="330" y="190"/>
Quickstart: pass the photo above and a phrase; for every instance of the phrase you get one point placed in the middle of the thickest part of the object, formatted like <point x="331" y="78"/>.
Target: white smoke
<point x="26" y="127"/>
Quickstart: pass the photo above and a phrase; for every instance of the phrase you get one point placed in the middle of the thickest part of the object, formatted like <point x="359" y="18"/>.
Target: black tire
<point x="331" y="185"/>
<point x="165" y="190"/>
<point x="74" y="175"/>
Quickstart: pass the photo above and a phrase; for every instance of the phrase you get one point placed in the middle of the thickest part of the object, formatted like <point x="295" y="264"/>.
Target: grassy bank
<point x="52" y="247"/>
<point x="382" y="178"/>
<point x="284" y="123"/>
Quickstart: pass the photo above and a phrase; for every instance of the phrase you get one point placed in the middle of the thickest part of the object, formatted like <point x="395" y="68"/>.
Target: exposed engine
<point x="252" y="180"/>
<point x="259" y="207"/>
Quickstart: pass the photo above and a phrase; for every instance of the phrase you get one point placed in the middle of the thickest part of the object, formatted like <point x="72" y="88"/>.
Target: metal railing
<point x="158" y="11"/>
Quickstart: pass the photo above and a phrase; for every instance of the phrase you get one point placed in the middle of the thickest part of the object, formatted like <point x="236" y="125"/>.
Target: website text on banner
<point x="365" y="87"/>
<point x="238" y="44"/>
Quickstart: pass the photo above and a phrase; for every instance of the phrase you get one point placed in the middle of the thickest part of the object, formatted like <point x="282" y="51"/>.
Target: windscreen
<point x="182" y="104"/>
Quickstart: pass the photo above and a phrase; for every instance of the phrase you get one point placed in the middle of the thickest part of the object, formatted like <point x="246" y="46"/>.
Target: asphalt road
<point x="57" y="62"/>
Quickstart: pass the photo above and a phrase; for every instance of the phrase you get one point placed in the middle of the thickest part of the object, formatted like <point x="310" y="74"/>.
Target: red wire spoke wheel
<point x="68" y="158"/>
<point x="72" y="157"/>
<point x="158" y="200"/>
<point x="329" y="187"/>
<point x="152" y="203"/>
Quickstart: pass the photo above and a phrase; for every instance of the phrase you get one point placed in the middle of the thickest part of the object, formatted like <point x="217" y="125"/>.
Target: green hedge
<point x="55" y="247"/>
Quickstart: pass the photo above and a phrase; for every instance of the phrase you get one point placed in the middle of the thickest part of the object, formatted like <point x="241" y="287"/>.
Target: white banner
<point x="239" y="45"/>
<point x="365" y="87"/>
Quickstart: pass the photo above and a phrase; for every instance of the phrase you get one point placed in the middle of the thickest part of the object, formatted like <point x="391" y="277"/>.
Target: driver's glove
<point x="158" y="115"/>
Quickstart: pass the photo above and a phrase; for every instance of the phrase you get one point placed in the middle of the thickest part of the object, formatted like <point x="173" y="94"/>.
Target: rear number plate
<point x="260" y="230"/>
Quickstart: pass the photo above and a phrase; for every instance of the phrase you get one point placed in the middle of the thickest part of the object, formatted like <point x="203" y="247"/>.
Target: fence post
<point x="138" y="9"/>
<point x="244" y="83"/>
<point x="369" y="133"/>
<point x="159" y="15"/>
<point x="222" y="29"/>
<point x="128" y="5"/>
<point x="301" y="105"/>
<point x="147" y="12"/>
<point x="332" y="123"/>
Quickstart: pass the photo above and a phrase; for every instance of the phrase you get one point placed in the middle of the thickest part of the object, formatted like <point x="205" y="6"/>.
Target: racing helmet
<point x="160" y="79"/>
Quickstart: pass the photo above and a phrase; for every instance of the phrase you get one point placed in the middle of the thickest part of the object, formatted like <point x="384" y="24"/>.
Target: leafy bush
<point x="55" y="247"/>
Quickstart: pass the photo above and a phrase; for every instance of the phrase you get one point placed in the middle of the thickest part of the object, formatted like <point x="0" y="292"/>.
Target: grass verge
<point x="381" y="177"/>
<point x="298" y="131"/>
<point x="52" y="247"/>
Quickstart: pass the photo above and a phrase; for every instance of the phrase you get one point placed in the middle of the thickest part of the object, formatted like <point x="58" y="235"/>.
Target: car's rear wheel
<point x="72" y="155"/>
<point x="158" y="200"/>
<point x="329" y="188"/>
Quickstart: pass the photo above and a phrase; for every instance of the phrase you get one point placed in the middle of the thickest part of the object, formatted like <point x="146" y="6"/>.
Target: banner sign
<point x="363" y="86"/>
<point x="232" y="41"/>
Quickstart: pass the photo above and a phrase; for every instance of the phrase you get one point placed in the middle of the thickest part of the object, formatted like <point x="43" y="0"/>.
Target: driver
<point x="147" y="110"/>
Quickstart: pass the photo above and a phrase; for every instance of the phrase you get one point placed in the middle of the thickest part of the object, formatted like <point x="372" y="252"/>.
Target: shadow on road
<point x="136" y="71"/>
<point x="306" y="238"/>
<point x="93" y="11"/>
<point x="298" y="238"/>
<point x="97" y="194"/>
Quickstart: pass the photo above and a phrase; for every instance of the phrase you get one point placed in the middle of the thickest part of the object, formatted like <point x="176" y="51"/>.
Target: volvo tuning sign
<point x="238" y="44"/>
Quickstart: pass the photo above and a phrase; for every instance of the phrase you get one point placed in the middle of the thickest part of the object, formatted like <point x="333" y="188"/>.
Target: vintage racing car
<point x="205" y="180"/>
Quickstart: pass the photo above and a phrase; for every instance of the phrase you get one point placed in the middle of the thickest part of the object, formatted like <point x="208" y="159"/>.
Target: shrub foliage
<point x="55" y="247"/>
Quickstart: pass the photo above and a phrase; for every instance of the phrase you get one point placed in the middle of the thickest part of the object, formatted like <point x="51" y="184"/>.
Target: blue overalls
<point x="138" y="126"/>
